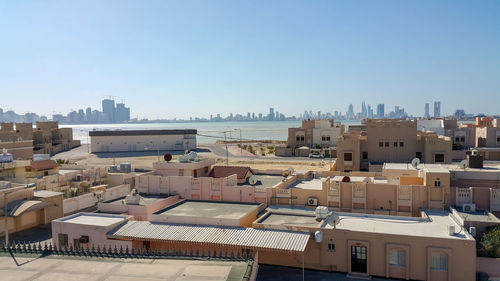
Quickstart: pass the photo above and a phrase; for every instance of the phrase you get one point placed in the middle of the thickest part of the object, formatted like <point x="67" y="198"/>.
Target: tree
<point x="491" y="242"/>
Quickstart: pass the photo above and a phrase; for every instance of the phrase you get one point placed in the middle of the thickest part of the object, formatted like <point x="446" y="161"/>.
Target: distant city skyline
<point x="174" y="59"/>
<point x="119" y="113"/>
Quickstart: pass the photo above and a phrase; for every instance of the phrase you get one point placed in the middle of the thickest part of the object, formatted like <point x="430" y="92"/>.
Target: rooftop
<point x="94" y="219"/>
<point x="145" y="200"/>
<point x="209" y="209"/>
<point x="477" y="216"/>
<point x="289" y="220"/>
<point x="264" y="181"/>
<point x="46" y="193"/>
<point x="434" y="225"/>
<point x="315" y="184"/>
<point x="212" y="235"/>
<point x="436" y="168"/>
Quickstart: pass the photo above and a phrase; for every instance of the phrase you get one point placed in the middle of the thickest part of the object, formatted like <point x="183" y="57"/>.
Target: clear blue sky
<point x="192" y="58"/>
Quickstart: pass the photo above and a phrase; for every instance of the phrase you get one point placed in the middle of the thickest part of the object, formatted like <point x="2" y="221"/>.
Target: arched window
<point x="437" y="183"/>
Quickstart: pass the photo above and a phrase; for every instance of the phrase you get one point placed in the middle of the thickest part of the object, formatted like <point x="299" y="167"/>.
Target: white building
<point x="433" y="125"/>
<point x="142" y="140"/>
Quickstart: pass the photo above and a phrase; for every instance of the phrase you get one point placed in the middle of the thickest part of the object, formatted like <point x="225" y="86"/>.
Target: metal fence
<point x="47" y="249"/>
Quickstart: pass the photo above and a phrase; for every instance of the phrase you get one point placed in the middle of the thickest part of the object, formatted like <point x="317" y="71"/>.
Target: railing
<point x="49" y="249"/>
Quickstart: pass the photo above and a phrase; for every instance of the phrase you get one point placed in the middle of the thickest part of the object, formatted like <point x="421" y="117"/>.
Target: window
<point x="498" y="139"/>
<point x="181" y="172"/>
<point x="386" y="144"/>
<point x="397" y="257"/>
<point x="401" y="144"/>
<point x="439" y="262"/>
<point x="300" y="138"/>
<point x="381" y="144"/>
<point x="331" y="247"/>
<point x="395" y="144"/>
<point x="439" y="158"/>
<point x="365" y="155"/>
<point x="437" y="183"/>
<point x="325" y="138"/>
<point x="348" y="156"/>
<point x="418" y="155"/>
<point x="63" y="240"/>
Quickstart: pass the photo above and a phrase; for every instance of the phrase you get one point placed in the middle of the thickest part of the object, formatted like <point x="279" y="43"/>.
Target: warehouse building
<point x="142" y="140"/>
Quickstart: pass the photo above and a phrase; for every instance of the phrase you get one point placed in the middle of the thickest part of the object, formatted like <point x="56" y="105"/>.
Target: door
<point x="358" y="259"/>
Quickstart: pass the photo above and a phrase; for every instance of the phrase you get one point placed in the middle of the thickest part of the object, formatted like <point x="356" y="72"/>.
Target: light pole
<point x="227" y="151"/>
<point x="241" y="149"/>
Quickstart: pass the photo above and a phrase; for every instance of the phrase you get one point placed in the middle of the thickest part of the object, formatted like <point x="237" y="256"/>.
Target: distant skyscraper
<point x="108" y="108"/>
<point x="364" y="113"/>
<point x="88" y="114"/>
<point x="380" y="110"/>
<point x="271" y="113"/>
<point x="427" y="113"/>
<point x="437" y="109"/>
<point x="369" y="112"/>
<point x="350" y="112"/>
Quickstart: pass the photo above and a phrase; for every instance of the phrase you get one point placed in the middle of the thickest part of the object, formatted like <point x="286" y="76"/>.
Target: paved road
<point x="220" y="151"/>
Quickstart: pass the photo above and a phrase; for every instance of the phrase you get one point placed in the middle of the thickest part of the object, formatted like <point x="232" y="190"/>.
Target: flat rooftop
<point x="264" y="181"/>
<point x="145" y="200"/>
<point x="314" y="184"/>
<point x="209" y="209"/>
<point x="436" y="168"/>
<point x="290" y="220"/>
<point x="435" y="225"/>
<point x="477" y="216"/>
<point x="100" y="219"/>
<point x="75" y="268"/>
<point x="46" y="193"/>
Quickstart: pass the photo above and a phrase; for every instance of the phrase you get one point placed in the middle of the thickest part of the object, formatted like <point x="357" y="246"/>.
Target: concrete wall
<point x="75" y="204"/>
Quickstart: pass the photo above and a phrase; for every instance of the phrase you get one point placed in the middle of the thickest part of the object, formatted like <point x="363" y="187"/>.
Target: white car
<point x="316" y="155"/>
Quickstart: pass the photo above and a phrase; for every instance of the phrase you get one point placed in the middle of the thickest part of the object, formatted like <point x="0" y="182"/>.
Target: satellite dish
<point x="346" y="179"/>
<point x="285" y="174"/>
<point x="167" y="157"/>
<point x="290" y="171"/>
<point x="253" y="180"/>
<point x="4" y="151"/>
<point x="463" y="164"/>
<point x="415" y="162"/>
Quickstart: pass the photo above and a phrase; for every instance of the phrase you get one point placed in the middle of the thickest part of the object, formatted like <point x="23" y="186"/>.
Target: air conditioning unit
<point x="469" y="207"/>
<point x="312" y="201"/>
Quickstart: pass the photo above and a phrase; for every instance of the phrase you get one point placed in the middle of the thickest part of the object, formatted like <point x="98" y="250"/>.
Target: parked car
<point x="316" y="154"/>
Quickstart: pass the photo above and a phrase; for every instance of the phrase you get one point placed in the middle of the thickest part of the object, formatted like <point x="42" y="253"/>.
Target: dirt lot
<point x="144" y="160"/>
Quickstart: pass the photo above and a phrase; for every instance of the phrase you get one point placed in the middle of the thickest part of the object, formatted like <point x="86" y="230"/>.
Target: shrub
<point x="490" y="243"/>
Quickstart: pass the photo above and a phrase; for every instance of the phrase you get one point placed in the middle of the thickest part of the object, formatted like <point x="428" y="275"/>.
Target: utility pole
<point x="227" y="151"/>
<point x="6" y="215"/>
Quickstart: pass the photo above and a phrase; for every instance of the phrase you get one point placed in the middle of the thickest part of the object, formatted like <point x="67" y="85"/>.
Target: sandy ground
<point x="81" y="156"/>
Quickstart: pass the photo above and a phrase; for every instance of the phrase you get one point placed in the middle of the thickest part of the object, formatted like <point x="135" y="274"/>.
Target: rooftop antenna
<point x="415" y="162"/>
<point x="253" y="180"/>
<point x="463" y="164"/>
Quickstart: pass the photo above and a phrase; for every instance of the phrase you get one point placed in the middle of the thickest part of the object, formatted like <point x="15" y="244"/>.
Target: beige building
<point x="429" y="247"/>
<point x="312" y="134"/>
<point x="390" y="141"/>
<point x="24" y="140"/>
<point x="142" y="140"/>
<point x="27" y="208"/>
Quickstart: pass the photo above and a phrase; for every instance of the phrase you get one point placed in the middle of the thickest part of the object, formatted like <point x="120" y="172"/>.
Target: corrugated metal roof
<point x="268" y="239"/>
